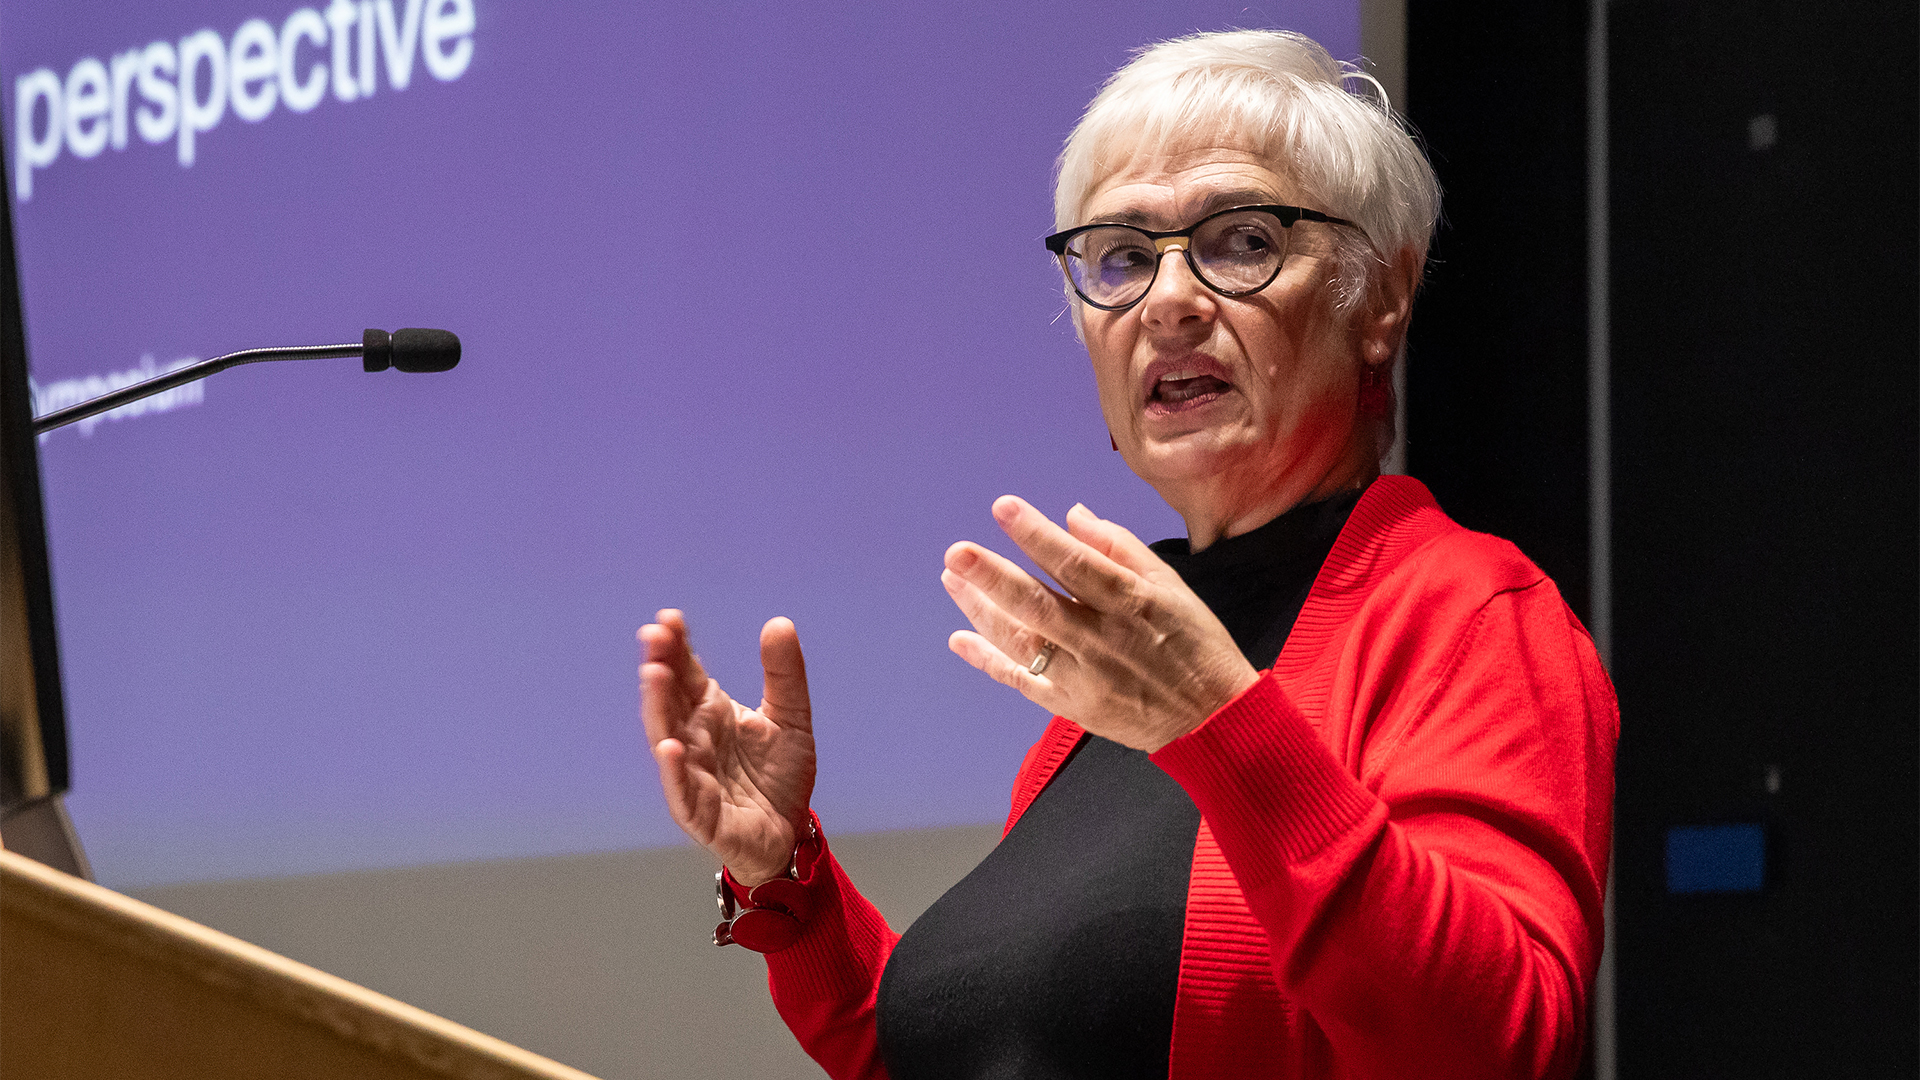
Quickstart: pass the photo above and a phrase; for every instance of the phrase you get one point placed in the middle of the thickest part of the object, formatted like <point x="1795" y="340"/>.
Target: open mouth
<point x="1176" y="384"/>
<point x="1177" y="391"/>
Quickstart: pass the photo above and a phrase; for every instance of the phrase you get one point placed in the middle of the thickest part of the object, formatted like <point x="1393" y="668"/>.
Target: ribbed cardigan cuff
<point x="845" y="945"/>
<point x="1269" y="788"/>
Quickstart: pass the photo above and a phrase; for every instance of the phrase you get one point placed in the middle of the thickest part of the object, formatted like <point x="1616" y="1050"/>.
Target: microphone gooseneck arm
<point x="433" y="350"/>
<point x="190" y="373"/>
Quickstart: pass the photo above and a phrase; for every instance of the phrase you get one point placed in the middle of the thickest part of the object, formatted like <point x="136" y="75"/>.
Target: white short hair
<point x="1349" y="154"/>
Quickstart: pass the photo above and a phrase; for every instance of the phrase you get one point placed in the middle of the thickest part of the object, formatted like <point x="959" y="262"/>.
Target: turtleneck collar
<point x="1257" y="582"/>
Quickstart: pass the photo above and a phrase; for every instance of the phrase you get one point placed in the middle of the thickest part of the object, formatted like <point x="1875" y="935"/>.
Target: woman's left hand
<point x="1137" y="657"/>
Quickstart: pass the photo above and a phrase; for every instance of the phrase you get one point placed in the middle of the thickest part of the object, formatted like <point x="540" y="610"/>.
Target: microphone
<point x="410" y="349"/>
<point x="407" y="349"/>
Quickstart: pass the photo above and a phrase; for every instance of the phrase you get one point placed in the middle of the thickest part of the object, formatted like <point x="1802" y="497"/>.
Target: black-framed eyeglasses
<point x="1235" y="252"/>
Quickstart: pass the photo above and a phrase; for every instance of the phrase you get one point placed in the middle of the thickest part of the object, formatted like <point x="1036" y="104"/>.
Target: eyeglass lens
<point x="1234" y="253"/>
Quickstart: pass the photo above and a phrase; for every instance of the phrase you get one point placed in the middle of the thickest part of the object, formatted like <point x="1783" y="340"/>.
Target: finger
<point x="693" y="794"/>
<point x="784" y="700"/>
<point x="676" y="784"/>
<point x="677" y="652"/>
<point x="1018" y="593"/>
<point x="664" y="708"/>
<point x="982" y="654"/>
<point x="1005" y="632"/>
<point x="1114" y="541"/>
<point x="1088" y="574"/>
<point x="693" y="674"/>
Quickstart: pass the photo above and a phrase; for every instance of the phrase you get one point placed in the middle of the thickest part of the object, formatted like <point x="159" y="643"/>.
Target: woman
<point x="1328" y="787"/>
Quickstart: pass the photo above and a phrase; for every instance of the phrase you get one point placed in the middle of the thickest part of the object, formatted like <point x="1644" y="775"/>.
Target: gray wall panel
<point x="601" y="961"/>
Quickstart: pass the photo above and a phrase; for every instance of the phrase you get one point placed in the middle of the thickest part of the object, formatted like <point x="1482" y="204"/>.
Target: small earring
<point x="1376" y="391"/>
<point x="1110" y="442"/>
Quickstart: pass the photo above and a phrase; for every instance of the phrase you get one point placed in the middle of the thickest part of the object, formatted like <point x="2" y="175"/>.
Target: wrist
<point x="770" y="915"/>
<point x="775" y="864"/>
<point x="1238" y="683"/>
<point x="750" y="875"/>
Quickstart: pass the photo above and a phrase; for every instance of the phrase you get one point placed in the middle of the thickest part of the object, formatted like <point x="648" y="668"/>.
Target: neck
<point x="1219" y="508"/>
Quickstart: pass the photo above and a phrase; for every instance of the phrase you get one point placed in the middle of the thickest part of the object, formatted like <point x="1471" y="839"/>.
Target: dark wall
<point x="1765" y="324"/>
<point x="1765" y="353"/>
<point x="1497" y="352"/>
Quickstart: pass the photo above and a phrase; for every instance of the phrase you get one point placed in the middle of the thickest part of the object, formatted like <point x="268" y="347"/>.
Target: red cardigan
<point x="1404" y="833"/>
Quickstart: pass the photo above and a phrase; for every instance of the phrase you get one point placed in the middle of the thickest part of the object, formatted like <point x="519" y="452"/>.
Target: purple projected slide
<point x="757" y="321"/>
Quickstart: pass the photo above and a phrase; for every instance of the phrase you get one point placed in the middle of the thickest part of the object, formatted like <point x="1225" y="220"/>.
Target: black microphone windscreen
<point x="376" y="350"/>
<point x="417" y="349"/>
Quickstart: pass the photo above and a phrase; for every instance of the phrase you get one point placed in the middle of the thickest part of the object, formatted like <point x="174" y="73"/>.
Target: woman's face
<point x="1234" y="409"/>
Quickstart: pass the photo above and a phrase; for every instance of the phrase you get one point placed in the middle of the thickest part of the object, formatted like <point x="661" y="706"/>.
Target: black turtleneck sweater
<point x="1059" y="955"/>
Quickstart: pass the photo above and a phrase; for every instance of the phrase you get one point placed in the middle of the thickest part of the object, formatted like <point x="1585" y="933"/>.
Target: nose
<point x="1177" y="299"/>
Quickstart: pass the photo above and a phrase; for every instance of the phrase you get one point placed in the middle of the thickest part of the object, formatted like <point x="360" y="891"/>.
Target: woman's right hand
<point x="738" y="780"/>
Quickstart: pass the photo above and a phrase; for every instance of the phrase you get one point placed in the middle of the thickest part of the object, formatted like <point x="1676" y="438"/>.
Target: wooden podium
<point x="97" y="985"/>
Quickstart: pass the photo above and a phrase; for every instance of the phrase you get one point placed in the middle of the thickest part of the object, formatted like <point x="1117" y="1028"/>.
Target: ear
<point x="1382" y="325"/>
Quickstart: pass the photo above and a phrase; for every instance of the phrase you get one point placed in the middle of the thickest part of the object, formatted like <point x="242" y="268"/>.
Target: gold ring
<point x="1040" y="662"/>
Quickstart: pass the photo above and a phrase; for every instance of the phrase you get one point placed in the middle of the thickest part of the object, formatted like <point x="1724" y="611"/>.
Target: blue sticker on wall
<point x="1716" y="858"/>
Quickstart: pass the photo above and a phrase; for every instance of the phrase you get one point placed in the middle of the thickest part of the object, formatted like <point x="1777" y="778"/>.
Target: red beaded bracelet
<point x="770" y="916"/>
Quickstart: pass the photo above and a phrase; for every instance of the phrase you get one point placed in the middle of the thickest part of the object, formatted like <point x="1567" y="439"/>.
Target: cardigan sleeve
<point x="1429" y="868"/>
<point x="827" y="984"/>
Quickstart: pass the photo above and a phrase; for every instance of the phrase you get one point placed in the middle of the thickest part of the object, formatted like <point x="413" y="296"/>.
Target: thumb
<point x="784" y="699"/>
<point x="1114" y="541"/>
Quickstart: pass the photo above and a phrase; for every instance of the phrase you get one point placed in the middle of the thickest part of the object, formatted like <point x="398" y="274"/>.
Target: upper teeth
<point x="1176" y="376"/>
